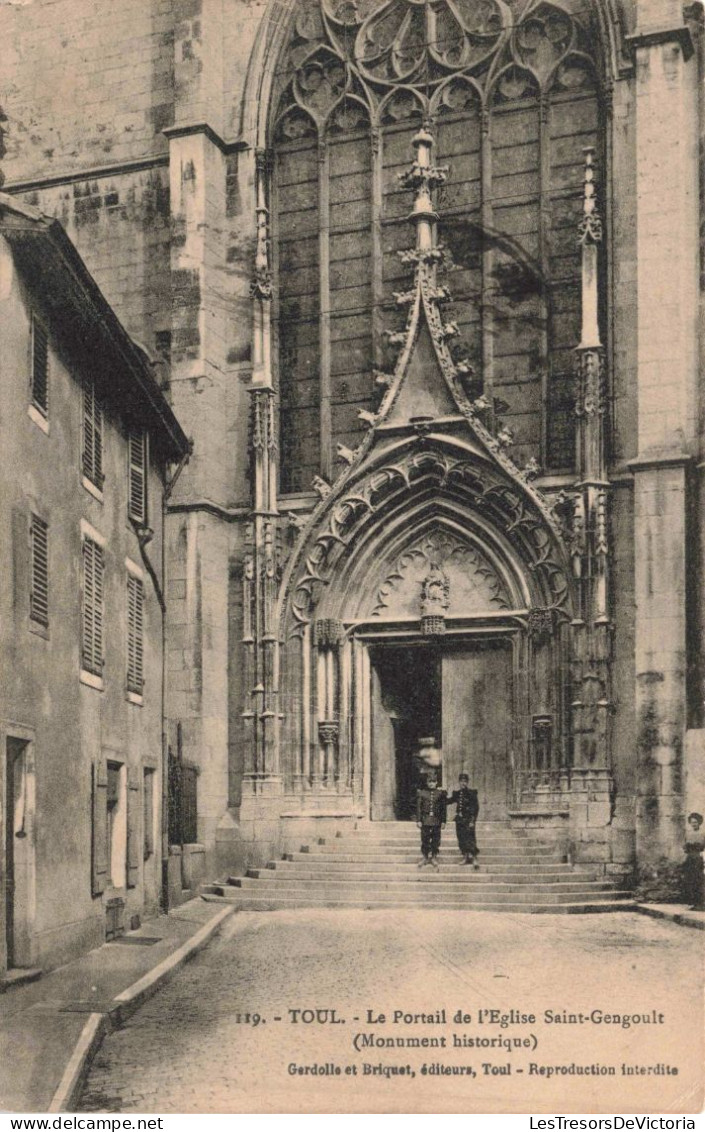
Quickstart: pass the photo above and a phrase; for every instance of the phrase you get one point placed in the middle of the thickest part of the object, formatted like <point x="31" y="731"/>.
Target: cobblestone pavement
<point x="191" y="1048"/>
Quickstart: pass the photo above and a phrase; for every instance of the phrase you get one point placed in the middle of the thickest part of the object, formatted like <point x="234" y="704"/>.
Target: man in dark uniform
<point x="430" y="816"/>
<point x="467" y="807"/>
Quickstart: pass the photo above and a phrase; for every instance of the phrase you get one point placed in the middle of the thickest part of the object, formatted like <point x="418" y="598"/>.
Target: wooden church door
<point x="477" y="722"/>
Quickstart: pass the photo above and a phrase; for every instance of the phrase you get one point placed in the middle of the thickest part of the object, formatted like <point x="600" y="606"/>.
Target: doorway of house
<point x="16" y="852"/>
<point x="459" y="693"/>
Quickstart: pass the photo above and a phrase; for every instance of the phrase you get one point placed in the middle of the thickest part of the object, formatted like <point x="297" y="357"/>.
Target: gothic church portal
<point x="422" y="281"/>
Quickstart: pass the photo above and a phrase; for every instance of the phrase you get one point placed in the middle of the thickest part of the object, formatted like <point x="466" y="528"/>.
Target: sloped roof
<point x="87" y="325"/>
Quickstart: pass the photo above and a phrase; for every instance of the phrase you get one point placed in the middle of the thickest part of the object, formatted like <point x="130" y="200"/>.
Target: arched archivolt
<point x="361" y="517"/>
<point x="421" y="532"/>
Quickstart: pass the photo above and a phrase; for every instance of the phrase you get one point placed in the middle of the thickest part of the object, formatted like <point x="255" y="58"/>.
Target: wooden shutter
<point x="39" y="570"/>
<point x="92" y="434"/>
<point x="92" y="644"/>
<point x="40" y="367"/>
<point x="137" y="476"/>
<point x="189" y="804"/>
<point x="135" y="634"/>
<point x="148" y="813"/>
<point x="99" y="828"/>
<point x="134" y="855"/>
<point x="21" y="561"/>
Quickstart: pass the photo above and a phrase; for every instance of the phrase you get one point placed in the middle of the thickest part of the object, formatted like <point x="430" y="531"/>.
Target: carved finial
<point x="481" y="404"/>
<point x="531" y="470"/>
<point x="261" y="286"/>
<point x="590" y="228"/>
<point x="450" y="330"/>
<point x="440" y="294"/>
<point x="347" y="455"/>
<point x="590" y="238"/>
<point x="321" y="486"/>
<point x="422" y="178"/>
<point x="505" y="437"/>
<point x="404" y="298"/>
<point x="367" y="418"/>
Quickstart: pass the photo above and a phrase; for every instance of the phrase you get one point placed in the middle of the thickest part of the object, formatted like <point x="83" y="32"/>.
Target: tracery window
<point x="512" y="91"/>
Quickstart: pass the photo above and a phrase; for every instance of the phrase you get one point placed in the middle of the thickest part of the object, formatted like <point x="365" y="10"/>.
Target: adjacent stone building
<point x="86" y="439"/>
<point x="445" y="487"/>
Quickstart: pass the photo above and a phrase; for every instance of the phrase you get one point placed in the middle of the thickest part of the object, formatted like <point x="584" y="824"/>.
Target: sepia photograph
<point x="352" y="558"/>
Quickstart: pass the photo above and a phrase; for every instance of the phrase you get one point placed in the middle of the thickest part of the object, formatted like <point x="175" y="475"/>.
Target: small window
<point x="39" y="571"/>
<point x="92" y="642"/>
<point x="92" y="456"/>
<point x="135" y="635"/>
<point x="148" y="799"/>
<point x="40" y="367"/>
<point x="137" y="477"/>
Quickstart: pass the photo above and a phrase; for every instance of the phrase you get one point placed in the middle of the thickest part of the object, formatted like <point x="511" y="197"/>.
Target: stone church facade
<point x="423" y="284"/>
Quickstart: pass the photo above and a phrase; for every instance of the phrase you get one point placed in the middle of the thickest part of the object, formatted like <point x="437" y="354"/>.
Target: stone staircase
<point x="376" y="866"/>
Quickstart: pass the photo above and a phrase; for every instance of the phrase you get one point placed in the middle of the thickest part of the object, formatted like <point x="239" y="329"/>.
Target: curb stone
<point x="684" y="919"/>
<point x="123" y="1006"/>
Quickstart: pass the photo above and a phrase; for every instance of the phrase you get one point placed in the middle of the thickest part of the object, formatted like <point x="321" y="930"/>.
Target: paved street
<point x="191" y="1048"/>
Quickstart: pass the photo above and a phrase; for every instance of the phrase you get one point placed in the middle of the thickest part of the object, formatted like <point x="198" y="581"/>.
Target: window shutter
<point x="21" y="561"/>
<point x="135" y="635"/>
<point x="39" y="571"/>
<point x="88" y="604"/>
<point x="92" y="645"/>
<point x="92" y="459"/>
<point x="189" y="805"/>
<point x="88" y="441"/>
<point x="99" y="854"/>
<point x="148" y="813"/>
<point x="40" y="367"/>
<point x="133" y="829"/>
<point x="137" y="483"/>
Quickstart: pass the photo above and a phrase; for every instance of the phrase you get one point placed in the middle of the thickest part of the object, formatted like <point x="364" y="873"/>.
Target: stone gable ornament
<point x="321" y="487"/>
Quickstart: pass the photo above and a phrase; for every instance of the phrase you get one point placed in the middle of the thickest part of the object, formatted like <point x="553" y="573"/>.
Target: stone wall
<point x="43" y="700"/>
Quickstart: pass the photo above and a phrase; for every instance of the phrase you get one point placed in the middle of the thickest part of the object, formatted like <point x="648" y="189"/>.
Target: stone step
<point x="461" y="876"/>
<point x="424" y="891"/>
<point x="448" y="842"/>
<point x="452" y="867"/>
<point x="404" y="828"/>
<point x="446" y="856"/>
<point x="401" y="828"/>
<point x="419" y="893"/>
<point x="515" y="844"/>
<point x="256" y="903"/>
<point x="377" y="867"/>
<point x="411" y="830"/>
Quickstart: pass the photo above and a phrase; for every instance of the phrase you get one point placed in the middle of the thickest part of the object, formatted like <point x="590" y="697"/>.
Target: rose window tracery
<point x="370" y="45"/>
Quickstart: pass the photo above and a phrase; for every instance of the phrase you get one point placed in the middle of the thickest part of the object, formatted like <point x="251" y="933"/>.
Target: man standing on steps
<point x="430" y="816"/>
<point x="467" y="807"/>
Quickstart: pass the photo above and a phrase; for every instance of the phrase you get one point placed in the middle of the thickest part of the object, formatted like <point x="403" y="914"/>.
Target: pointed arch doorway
<point x="459" y="691"/>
